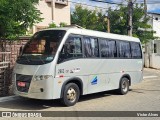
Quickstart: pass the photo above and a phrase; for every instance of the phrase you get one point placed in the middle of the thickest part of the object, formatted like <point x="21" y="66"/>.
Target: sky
<point x="151" y="7"/>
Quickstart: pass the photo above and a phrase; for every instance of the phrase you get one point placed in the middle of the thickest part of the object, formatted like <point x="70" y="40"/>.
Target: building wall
<point x="155" y="61"/>
<point x="152" y="55"/>
<point x="61" y="13"/>
<point x="156" y="25"/>
<point x="45" y="9"/>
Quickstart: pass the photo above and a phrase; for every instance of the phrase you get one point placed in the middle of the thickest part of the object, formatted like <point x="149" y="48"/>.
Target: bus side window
<point x="91" y="47"/>
<point x="72" y="49"/>
<point x="108" y="48"/>
<point x="124" y="50"/>
<point x="136" y="50"/>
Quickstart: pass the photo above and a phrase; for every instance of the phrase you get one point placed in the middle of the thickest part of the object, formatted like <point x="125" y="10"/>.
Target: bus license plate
<point x="21" y="84"/>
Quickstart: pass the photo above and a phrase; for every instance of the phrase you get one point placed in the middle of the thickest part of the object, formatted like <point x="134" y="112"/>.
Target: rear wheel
<point x="124" y="86"/>
<point x="71" y="94"/>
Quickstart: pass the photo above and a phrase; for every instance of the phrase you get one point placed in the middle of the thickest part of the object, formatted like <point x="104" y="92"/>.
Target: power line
<point x="104" y="8"/>
<point x="90" y="5"/>
<point x="107" y="2"/>
<point x="148" y="2"/>
<point x="113" y="3"/>
<point x="122" y="1"/>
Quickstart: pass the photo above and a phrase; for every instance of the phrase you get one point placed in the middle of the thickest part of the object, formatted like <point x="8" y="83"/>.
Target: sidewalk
<point x="9" y="98"/>
<point x="152" y="70"/>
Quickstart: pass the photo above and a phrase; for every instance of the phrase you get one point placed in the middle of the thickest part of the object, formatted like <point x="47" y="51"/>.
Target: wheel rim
<point x="71" y="95"/>
<point x="124" y="86"/>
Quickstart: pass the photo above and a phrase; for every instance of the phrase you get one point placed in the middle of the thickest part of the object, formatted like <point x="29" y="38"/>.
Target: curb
<point x="9" y="98"/>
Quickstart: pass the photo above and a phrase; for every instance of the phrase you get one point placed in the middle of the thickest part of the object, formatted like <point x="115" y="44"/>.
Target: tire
<point x="71" y="94"/>
<point x="123" y="86"/>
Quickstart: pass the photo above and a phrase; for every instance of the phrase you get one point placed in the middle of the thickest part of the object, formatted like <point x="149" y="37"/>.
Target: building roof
<point x="154" y="13"/>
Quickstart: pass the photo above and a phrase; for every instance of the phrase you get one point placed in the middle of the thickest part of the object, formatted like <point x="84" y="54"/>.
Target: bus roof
<point x="96" y="34"/>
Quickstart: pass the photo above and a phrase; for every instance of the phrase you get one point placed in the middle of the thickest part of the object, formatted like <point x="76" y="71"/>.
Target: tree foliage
<point x="63" y="24"/>
<point x="16" y="16"/>
<point x="141" y="28"/>
<point x="95" y="20"/>
<point x="89" y="19"/>
<point x="54" y="25"/>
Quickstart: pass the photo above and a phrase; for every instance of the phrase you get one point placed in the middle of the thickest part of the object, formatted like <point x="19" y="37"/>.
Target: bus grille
<point x="25" y="79"/>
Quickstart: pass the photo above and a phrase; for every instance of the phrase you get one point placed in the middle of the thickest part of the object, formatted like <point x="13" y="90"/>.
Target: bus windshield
<point x="42" y="47"/>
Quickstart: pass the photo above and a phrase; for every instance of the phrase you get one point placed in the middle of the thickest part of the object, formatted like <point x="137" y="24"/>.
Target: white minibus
<point x="64" y="63"/>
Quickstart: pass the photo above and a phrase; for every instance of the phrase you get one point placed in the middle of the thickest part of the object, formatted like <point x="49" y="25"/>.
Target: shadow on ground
<point x="33" y="104"/>
<point x="144" y="90"/>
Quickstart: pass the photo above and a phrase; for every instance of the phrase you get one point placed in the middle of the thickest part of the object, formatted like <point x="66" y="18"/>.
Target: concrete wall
<point x="8" y="56"/>
<point x="152" y="58"/>
<point x="155" y="57"/>
<point x="155" y="61"/>
<point x="152" y="55"/>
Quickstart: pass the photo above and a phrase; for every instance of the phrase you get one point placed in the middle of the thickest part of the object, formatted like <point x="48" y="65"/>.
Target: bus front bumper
<point x="41" y="89"/>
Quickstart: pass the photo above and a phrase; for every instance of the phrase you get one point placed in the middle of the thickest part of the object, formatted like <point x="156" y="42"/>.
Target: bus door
<point x="94" y="66"/>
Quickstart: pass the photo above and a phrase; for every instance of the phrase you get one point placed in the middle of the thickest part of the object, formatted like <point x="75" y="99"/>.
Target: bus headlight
<point x="41" y="77"/>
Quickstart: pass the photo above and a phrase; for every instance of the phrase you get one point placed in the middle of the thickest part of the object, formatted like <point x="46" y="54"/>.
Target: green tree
<point x="141" y="28"/>
<point x="16" y="16"/>
<point x="95" y="20"/>
<point x="89" y="19"/>
<point x="52" y="25"/>
<point x="63" y="24"/>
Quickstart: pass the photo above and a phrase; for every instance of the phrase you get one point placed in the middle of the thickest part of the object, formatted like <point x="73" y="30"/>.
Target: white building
<point x="152" y="57"/>
<point x="56" y="11"/>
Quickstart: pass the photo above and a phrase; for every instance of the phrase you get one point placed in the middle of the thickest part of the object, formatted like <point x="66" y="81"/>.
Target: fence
<point x="4" y="69"/>
<point x="9" y="52"/>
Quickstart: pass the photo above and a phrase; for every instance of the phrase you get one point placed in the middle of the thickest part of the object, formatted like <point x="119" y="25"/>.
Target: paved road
<point x="141" y="97"/>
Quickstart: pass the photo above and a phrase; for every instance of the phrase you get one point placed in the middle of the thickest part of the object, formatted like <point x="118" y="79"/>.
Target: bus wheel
<point x="124" y="86"/>
<point x="71" y="94"/>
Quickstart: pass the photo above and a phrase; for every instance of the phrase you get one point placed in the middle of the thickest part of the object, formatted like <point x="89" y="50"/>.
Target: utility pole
<point x="145" y="8"/>
<point x="147" y="51"/>
<point x="130" y="15"/>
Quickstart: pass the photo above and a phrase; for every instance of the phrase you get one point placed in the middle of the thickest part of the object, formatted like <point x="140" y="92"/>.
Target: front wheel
<point x="124" y="86"/>
<point x="71" y="94"/>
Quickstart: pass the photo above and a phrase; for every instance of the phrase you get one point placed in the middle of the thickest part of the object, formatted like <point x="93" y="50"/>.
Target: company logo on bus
<point x="94" y="81"/>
